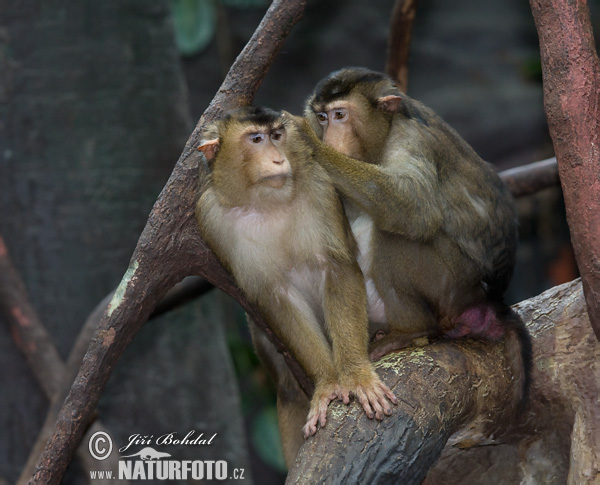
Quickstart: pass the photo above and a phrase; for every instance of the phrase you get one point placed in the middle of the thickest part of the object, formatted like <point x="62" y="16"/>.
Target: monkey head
<point x="351" y="110"/>
<point x="248" y="154"/>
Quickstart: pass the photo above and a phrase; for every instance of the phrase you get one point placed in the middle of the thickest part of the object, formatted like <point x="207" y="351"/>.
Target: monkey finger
<point x="376" y="402"/>
<point x="388" y="393"/>
<point x="344" y="396"/>
<point x="364" y="402"/>
<point x="310" y="428"/>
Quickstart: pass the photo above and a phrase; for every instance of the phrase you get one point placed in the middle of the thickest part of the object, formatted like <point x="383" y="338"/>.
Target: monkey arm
<point x="293" y="321"/>
<point x="402" y="199"/>
<point x="345" y="313"/>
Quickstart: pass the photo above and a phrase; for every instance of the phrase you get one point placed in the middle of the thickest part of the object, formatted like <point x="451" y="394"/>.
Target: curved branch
<point x="34" y="341"/>
<point x="441" y="388"/>
<point x="169" y="249"/>
<point x="457" y="394"/>
<point x="571" y="72"/>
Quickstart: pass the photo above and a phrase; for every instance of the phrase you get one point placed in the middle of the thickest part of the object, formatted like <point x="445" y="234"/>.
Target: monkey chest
<point x="363" y="229"/>
<point x="278" y="251"/>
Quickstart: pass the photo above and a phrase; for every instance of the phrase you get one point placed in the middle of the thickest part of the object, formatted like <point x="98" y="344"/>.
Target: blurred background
<point x="97" y="100"/>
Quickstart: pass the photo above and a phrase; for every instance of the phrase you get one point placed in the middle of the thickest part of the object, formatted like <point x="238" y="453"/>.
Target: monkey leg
<point x="292" y="409"/>
<point x="409" y="318"/>
<point x="384" y="343"/>
<point x="292" y="403"/>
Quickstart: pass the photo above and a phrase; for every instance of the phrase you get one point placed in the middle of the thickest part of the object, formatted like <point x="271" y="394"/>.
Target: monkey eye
<point x="340" y="114"/>
<point x="276" y="135"/>
<point x="257" y="137"/>
<point x="322" y="118"/>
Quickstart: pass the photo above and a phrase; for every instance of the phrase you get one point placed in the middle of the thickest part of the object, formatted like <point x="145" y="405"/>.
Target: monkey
<point x="435" y="225"/>
<point x="273" y="218"/>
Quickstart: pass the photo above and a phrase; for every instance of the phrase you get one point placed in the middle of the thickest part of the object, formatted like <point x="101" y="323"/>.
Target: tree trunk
<point x="94" y="112"/>
<point x="571" y="71"/>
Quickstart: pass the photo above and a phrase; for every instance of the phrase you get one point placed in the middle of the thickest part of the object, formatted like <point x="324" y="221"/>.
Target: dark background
<point x="96" y="102"/>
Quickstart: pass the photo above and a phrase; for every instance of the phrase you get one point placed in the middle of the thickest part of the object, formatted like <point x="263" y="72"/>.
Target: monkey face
<point x="265" y="160"/>
<point x="338" y="121"/>
<point x="249" y="163"/>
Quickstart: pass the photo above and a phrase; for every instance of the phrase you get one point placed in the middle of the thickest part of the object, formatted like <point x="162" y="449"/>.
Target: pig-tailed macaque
<point x="273" y="218"/>
<point x="435" y="226"/>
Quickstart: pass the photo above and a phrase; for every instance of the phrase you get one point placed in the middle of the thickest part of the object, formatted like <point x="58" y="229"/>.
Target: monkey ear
<point x="390" y="103"/>
<point x="210" y="148"/>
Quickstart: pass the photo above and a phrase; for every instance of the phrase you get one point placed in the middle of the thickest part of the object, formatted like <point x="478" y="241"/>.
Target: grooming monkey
<point x="435" y="226"/>
<point x="273" y="218"/>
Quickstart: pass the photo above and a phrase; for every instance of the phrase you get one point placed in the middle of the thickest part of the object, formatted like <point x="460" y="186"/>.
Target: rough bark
<point x="93" y="114"/>
<point x="458" y="392"/>
<point x="168" y="249"/>
<point x="555" y="440"/>
<point x="571" y="73"/>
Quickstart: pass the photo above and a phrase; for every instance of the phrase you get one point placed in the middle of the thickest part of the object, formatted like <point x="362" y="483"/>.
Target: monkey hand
<point x="372" y="394"/>
<point x="302" y="128"/>
<point x="317" y="415"/>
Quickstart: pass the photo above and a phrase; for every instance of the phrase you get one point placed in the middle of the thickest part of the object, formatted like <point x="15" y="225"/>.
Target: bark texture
<point x="169" y="249"/>
<point x="93" y="114"/>
<point x="571" y="72"/>
<point x="453" y="406"/>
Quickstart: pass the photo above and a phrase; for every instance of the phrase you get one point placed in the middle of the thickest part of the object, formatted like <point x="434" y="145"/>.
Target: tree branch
<point x="396" y="65"/>
<point x="32" y="338"/>
<point x="458" y="394"/>
<point x="169" y="248"/>
<point x="440" y="387"/>
<point x="531" y="178"/>
<point x="571" y="73"/>
<point x="29" y="334"/>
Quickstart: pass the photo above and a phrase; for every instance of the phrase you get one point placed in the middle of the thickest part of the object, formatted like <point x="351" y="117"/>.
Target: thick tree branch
<point x="396" y="65"/>
<point x="441" y="388"/>
<point x="458" y="394"/>
<point x="168" y="249"/>
<point x="571" y="72"/>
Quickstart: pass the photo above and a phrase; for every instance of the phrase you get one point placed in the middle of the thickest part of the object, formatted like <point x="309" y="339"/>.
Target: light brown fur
<point x="435" y="225"/>
<point x="273" y="218"/>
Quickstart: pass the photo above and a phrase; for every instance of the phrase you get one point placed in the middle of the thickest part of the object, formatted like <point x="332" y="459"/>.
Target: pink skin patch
<point x="477" y="321"/>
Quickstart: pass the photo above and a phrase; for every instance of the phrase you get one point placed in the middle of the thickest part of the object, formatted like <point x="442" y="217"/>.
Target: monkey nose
<point x="277" y="162"/>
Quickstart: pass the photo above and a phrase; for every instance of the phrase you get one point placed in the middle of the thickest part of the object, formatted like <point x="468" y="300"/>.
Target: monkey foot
<point x="384" y="343"/>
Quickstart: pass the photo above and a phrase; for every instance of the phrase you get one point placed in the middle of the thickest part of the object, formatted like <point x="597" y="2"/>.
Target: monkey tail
<point x="518" y="351"/>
